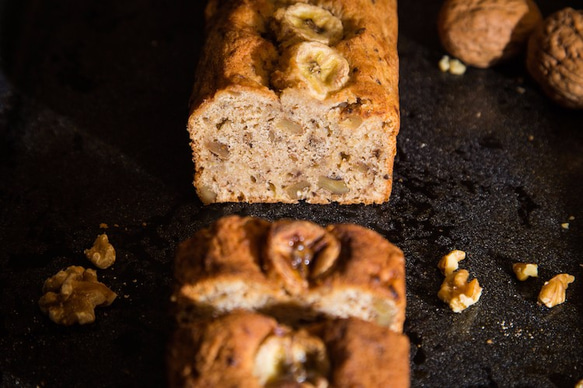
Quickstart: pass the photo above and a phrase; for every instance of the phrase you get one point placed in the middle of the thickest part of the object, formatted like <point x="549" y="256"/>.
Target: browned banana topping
<point x="300" y="252"/>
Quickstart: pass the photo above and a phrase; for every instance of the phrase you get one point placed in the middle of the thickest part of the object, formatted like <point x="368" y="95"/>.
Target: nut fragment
<point x="219" y="149"/>
<point x="449" y="263"/>
<point x="555" y="57"/>
<point x="456" y="67"/>
<point x="525" y="270"/>
<point x="207" y="195"/>
<point x="72" y="294"/>
<point x="335" y="186"/>
<point x="351" y="122"/>
<point x="296" y="358"/>
<point x="298" y="190"/>
<point x="289" y="126"/>
<point x="484" y="32"/>
<point x="457" y="292"/>
<point x="553" y="292"/>
<point x="299" y="252"/>
<point x="453" y="66"/>
<point x="102" y="253"/>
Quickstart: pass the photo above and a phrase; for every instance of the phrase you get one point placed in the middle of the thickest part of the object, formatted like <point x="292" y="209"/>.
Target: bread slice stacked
<point x="296" y="101"/>
<point x="247" y="290"/>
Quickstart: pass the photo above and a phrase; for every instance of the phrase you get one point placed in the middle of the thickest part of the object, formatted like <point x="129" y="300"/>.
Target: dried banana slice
<point x="298" y="252"/>
<point x="310" y="23"/>
<point x="320" y="67"/>
<point x="296" y="359"/>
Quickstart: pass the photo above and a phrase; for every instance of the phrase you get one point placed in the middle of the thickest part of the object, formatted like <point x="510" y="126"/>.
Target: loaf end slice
<point x="265" y="128"/>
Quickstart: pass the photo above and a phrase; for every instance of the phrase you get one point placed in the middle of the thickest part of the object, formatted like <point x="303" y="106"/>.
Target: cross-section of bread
<point x="293" y="270"/>
<point x="244" y="349"/>
<point x="296" y="100"/>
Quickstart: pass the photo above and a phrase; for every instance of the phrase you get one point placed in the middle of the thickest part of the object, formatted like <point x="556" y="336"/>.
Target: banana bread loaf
<point x="293" y="270"/>
<point x="244" y="349"/>
<point x="296" y="101"/>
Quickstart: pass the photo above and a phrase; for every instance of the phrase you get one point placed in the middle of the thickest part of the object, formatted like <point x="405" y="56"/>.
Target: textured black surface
<point x="93" y="105"/>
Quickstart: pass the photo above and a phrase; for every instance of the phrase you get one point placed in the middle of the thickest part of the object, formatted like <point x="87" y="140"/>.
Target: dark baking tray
<point x="93" y="105"/>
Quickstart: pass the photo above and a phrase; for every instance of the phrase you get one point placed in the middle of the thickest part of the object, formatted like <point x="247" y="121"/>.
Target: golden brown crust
<point x="370" y="261"/>
<point x="229" y="246"/>
<point x="233" y="48"/>
<point x="238" y="52"/>
<point x="365" y="355"/>
<point x="218" y="353"/>
<point x="243" y="66"/>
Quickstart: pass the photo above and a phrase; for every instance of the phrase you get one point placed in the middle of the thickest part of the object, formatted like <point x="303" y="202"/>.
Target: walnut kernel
<point x="484" y="32"/>
<point x="449" y="263"/>
<point x="335" y="186"/>
<point x="457" y="292"/>
<point x="102" y="253"/>
<point x="525" y="270"/>
<point x="553" y="292"/>
<point x="72" y="294"/>
<point x="451" y="65"/>
<point x="555" y="57"/>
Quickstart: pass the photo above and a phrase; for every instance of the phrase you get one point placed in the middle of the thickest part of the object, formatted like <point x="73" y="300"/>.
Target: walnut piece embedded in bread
<point x="296" y="101"/>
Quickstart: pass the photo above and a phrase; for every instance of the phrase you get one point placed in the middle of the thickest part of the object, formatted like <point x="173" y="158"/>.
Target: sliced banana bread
<point x="296" y="101"/>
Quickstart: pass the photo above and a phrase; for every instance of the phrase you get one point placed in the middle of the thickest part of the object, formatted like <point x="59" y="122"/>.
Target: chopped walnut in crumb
<point x="457" y="292"/>
<point x="525" y="270"/>
<point x="102" y="253"/>
<point x="72" y="294"/>
<point x="449" y="263"/>
<point x="553" y="292"/>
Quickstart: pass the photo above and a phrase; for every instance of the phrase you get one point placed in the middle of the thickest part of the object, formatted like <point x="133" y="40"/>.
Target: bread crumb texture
<point x="296" y="101"/>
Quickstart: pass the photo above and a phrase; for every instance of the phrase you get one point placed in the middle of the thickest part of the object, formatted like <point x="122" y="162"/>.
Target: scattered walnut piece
<point x="555" y="57"/>
<point x="525" y="270"/>
<point x="553" y="291"/>
<point x="449" y="263"/>
<point x="579" y="384"/>
<point x="72" y="294"/>
<point x="453" y="66"/>
<point x="457" y="292"/>
<point x="102" y="253"/>
<point x="443" y="64"/>
<point x="484" y="32"/>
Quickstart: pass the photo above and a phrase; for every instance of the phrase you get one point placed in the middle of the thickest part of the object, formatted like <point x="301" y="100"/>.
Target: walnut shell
<point x="555" y="57"/>
<point x="485" y="32"/>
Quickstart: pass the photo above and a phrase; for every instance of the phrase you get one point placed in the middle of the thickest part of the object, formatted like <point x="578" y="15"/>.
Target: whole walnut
<point x="555" y="57"/>
<point x="484" y="32"/>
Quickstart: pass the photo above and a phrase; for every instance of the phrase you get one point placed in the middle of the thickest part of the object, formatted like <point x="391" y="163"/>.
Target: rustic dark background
<point x="93" y="106"/>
